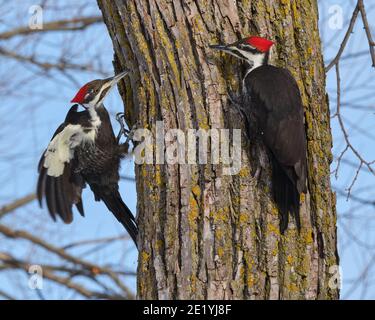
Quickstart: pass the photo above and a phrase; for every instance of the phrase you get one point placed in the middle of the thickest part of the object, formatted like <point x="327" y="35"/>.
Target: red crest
<point x="262" y="44"/>
<point x="80" y="96"/>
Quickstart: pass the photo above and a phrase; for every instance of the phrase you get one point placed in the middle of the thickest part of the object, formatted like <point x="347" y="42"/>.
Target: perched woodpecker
<point x="84" y="150"/>
<point x="273" y="98"/>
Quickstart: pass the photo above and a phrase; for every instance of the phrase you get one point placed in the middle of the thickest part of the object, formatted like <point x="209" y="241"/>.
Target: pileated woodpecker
<point x="84" y="150"/>
<point x="272" y="96"/>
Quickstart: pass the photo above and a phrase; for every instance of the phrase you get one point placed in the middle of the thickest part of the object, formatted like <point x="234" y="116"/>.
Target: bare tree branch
<point x="11" y="262"/>
<point x="79" y="23"/>
<point x="94" y="241"/>
<point x="17" y="204"/>
<point x="6" y="295"/>
<point x="358" y="8"/>
<point x="127" y="178"/>
<point x="349" y="146"/>
<point x="366" y="26"/>
<point x="356" y="198"/>
<point x="66" y="256"/>
<point x="345" y="40"/>
<point x="335" y="62"/>
<point x="354" y="55"/>
<point x="60" y="65"/>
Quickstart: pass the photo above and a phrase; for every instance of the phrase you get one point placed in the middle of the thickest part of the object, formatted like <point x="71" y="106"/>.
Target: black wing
<point x="64" y="189"/>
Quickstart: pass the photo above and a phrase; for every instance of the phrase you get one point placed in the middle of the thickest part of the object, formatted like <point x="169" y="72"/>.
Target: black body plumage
<point x="277" y="108"/>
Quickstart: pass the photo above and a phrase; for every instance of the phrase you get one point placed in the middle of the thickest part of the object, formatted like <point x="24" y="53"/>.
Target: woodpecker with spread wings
<point x="84" y="150"/>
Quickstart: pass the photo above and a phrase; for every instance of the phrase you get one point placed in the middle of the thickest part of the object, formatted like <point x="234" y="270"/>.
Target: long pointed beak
<point x="121" y="75"/>
<point x="110" y="83"/>
<point x="118" y="77"/>
<point x="221" y="47"/>
<point x="228" y="48"/>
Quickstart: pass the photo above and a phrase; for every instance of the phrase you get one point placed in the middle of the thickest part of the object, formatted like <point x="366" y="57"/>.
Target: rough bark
<point x="204" y="234"/>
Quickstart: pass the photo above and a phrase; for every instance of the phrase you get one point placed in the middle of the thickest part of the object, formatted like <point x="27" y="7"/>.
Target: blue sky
<point x="40" y="104"/>
<point x="355" y="222"/>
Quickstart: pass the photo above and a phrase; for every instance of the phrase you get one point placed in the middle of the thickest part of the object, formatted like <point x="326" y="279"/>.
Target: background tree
<point x="204" y="234"/>
<point x="41" y="69"/>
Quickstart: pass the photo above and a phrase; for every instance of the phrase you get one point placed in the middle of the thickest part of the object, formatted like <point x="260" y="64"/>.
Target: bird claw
<point x="128" y="134"/>
<point x="120" y="117"/>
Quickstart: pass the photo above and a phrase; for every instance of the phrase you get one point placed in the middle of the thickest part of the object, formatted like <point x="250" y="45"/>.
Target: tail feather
<point x="79" y="206"/>
<point x="122" y="213"/>
<point x="63" y="201"/>
<point x="41" y="185"/>
<point x="286" y="196"/>
<point x="50" y="197"/>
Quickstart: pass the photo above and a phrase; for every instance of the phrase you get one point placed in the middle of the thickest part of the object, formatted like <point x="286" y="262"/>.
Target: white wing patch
<point x="61" y="149"/>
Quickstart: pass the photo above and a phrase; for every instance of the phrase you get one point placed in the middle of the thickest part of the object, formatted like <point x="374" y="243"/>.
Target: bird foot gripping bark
<point x="120" y="117"/>
<point x="128" y="134"/>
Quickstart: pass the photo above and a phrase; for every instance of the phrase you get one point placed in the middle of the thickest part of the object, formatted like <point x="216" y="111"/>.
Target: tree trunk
<point x="204" y="234"/>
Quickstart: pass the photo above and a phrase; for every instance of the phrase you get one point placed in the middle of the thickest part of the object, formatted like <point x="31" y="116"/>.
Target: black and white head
<point x="253" y="50"/>
<point x="92" y="94"/>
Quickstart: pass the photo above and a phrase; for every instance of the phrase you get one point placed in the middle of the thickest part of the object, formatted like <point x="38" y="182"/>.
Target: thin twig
<point x="46" y="66"/>
<point x="345" y="40"/>
<point x="6" y="295"/>
<point x="366" y="26"/>
<point x="355" y="198"/>
<point x="127" y="178"/>
<point x="9" y="261"/>
<point x="17" y="204"/>
<point x="94" y="241"/>
<point x="60" y="25"/>
<point x="354" y="180"/>
<point x="362" y="161"/>
<point x="19" y="234"/>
